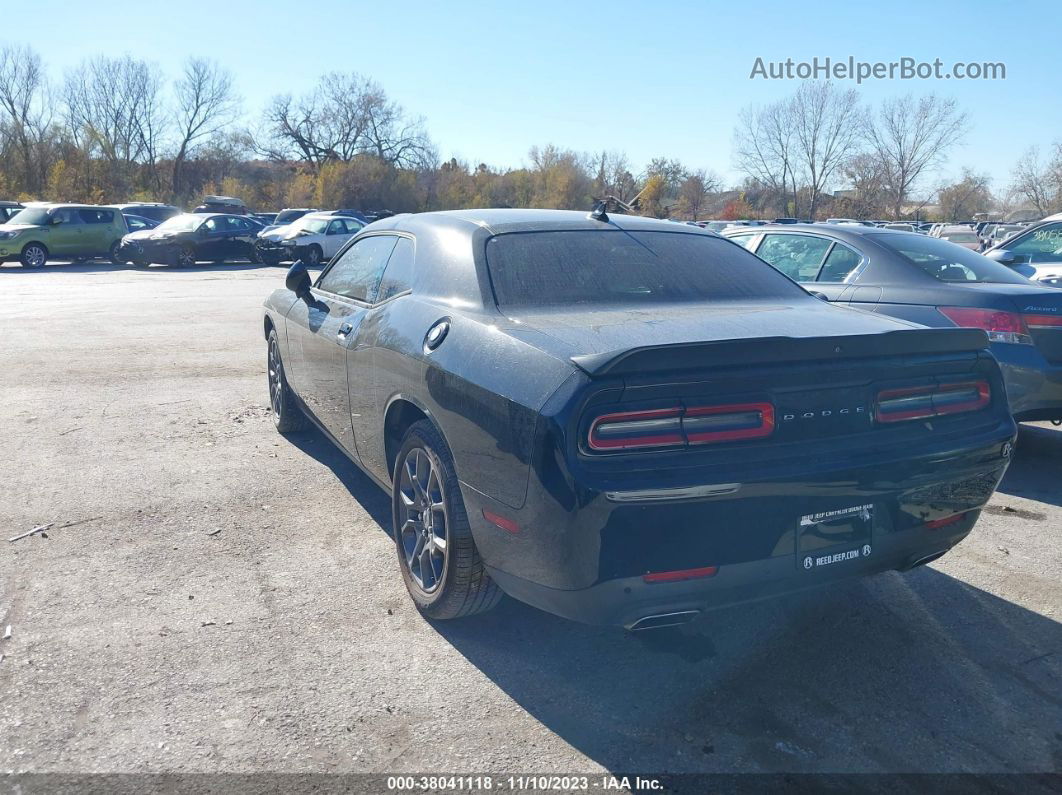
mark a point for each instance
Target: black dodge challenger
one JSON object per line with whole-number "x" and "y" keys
{"x": 629, "y": 421}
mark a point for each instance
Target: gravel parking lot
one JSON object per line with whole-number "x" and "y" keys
{"x": 212, "y": 596}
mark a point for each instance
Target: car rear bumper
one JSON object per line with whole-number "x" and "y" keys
{"x": 583, "y": 551}
{"x": 633, "y": 603}
{"x": 1034, "y": 385}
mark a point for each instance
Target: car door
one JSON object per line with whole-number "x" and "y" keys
{"x": 334, "y": 238}
{"x": 832, "y": 280}
{"x": 241, "y": 242}
{"x": 66, "y": 232}
{"x": 798, "y": 256}
{"x": 213, "y": 239}
{"x": 322, "y": 329}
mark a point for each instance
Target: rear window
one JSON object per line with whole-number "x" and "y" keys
{"x": 946, "y": 261}
{"x": 589, "y": 267}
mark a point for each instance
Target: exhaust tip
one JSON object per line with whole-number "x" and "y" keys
{"x": 924, "y": 560}
{"x": 660, "y": 620}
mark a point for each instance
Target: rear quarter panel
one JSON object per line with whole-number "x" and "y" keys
{"x": 482, "y": 387}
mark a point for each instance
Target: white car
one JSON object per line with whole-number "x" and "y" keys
{"x": 314, "y": 238}
{"x": 1035, "y": 253}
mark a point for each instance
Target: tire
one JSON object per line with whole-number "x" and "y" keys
{"x": 34, "y": 255}
{"x": 112, "y": 253}
{"x": 314, "y": 255}
{"x": 447, "y": 582}
{"x": 184, "y": 257}
{"x": 269, "y": 259}
{"x": 288, "y": 416}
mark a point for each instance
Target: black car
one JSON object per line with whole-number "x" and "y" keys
{"x": 222, "y": 204}
{"x": 628, "y": 421}
{"x": 189, "y": 238}
{"x": 932, "y": 282}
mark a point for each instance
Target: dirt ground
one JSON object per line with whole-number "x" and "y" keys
{"x": 214, "y": 597}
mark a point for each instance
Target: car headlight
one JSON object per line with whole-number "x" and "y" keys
{"x": 7, "y": 235}
{"x": 288, "y": 241}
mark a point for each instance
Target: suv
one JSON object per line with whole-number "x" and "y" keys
{"x": 74, "y": 231}
{"x": 229, "y": 205}
{"x": 156, "y": 211}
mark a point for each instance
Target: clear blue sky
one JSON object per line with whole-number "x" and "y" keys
{"x": 493, "y": 79}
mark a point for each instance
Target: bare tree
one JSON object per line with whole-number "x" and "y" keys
{"x": 25, "y": 114}
{"x": 693, "y": 193}
{"x": 764, "y": 146}
{"x": 614, "y": 177}
{"x": 114, "y": 111}
{"x": 962, "y": 200}
{"x": 206, "y": 104}
{"x": 909, "y": 137}
{"x": 826, "y": 125}
{"x": 1039, "y": 184}
{"x": 344, "y": 116}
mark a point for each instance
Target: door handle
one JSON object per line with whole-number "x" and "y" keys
{"x": 344, "y": 330}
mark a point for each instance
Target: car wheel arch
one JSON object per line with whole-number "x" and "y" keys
{"x": 401, "y": 413}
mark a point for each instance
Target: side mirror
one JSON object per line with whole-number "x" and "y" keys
{"x": 55, "y": 220}
{"x": 1005, "y": 256}
{"x": 298, "y": 279}
{"x": 820, "y": 296}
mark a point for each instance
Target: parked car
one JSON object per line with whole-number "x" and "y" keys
{"x": 156, "y": 211}
{"x": 62, "y": 231}
{"x": 135, "y": 223}
{"x": 266, "y": 219}
{"x": 628, "y": 421}
{"x": 8, "y": 210}
{"x": 314, "y": 238}
{"x": 1035, "y": 252}
{"x": 229, "y": 205}
{"x": 290, "y": 215}
{"x": 962, "y": 236}
{"x": 189, "y": 238}
{"x": 935, "y": 283}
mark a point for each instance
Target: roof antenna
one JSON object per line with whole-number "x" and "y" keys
{"x": 598, "y": 213}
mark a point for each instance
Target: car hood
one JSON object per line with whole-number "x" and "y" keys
{"x": 18, "y": 227}
{"x": 153, "y": 235}
{"x": 568, "y": 333}
{"x": 275, "y": 232}
{"x": 1041, "y": 271}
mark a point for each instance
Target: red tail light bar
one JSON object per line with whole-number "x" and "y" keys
{"x": 931, "y": 400}
{"x": 1001, "y": 326}
{"x": 680, "y": 426}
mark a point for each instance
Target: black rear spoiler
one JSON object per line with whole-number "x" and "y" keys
{"x": 764, "y": 350}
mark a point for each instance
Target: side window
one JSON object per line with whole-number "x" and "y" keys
{"x": 212, "y": 224}
{"x": 337, "y": 227}
{"x": 356, "y": 274}
{"x": 797, "y": 256}
{"x": 743, "y": 240}
{"x": 839, "y": 264}
{"x": 398, "y": 276}
{"x": 1040, "y": 245}
{"x": 66, "y": 215}
{"x": 353, "y": 226}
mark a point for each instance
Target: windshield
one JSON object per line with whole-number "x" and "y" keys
{"x": 617, "y": 267}
{"x": 314, "y": 226}
{"x": 181, "y": 223}
{"x": 946, "y": 261}
{"x": 960, "y": 237}
{"x": 31, "y": 215}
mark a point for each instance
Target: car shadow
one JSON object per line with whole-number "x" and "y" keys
{"x": 371, "y": 497}
{"x": 1035, "y": 473}
{"x": 918, "y": 672}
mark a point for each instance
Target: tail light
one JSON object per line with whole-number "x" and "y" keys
{"x": 1001, "y": 326}
{"x": 681, "y": 426}
{"x": 931, "y": 400}
{"x": 1044, "y": 321}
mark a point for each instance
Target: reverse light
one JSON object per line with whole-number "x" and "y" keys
{"x": 1001, "y": 326}
{"x": 680, "y": 426}
{"x": 679, "y": 576}
{"x": 931, "y": 400}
